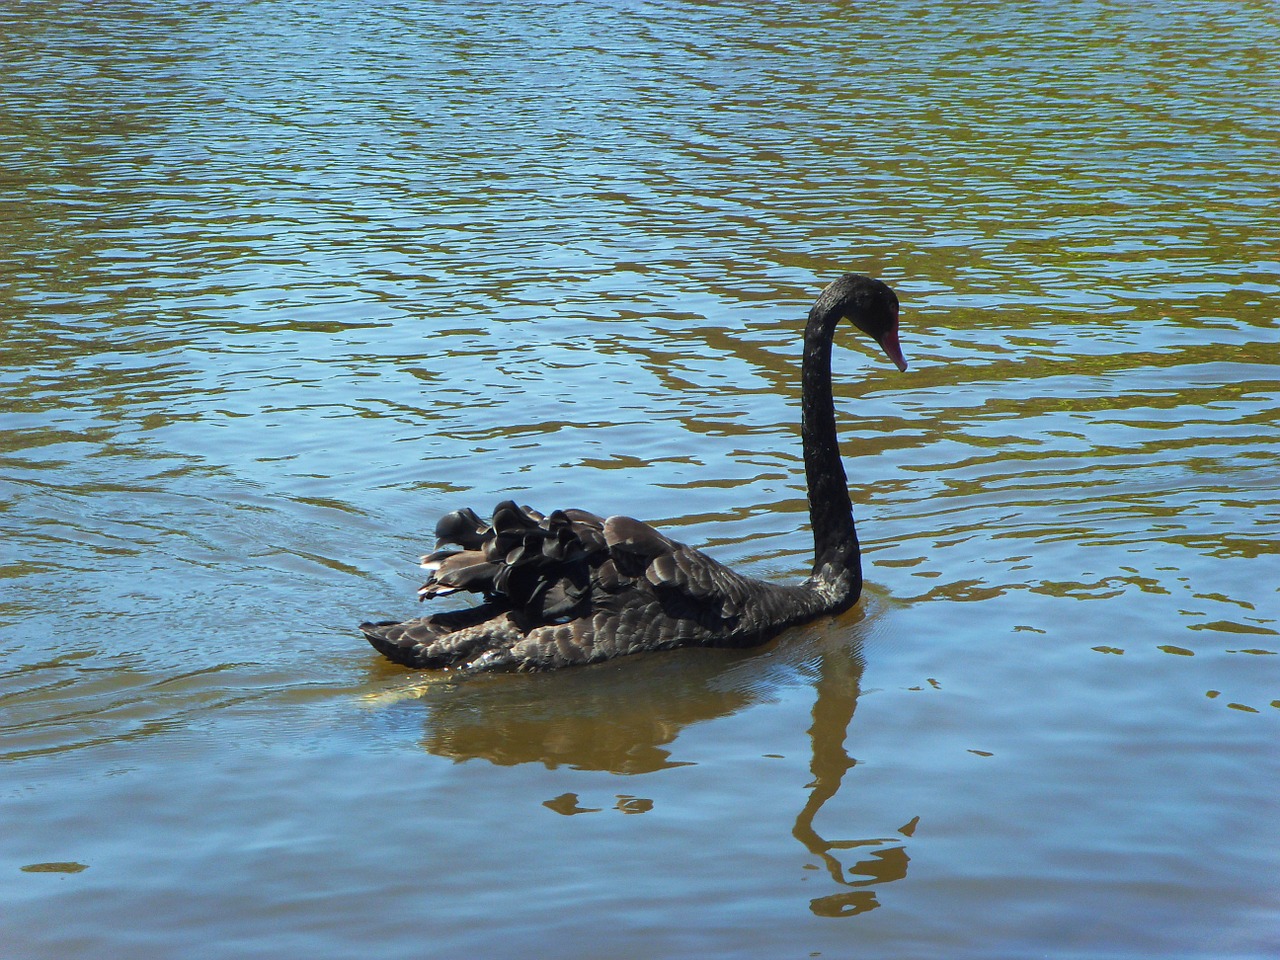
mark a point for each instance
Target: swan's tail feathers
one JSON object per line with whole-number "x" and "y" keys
{"x": 474, "y": 639}
{"x": 393, "y": 641}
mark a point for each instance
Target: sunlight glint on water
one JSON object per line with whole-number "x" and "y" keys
{"x": 281, "y": 283}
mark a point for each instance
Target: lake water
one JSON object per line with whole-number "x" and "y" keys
{"x": 281, "y": 283}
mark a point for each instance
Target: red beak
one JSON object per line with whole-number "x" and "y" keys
{"x": 892, "y": 349}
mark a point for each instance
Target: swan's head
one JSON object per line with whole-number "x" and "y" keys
{"x": 870, "y": 305}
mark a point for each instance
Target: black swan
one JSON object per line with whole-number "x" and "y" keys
{"x": 571, "y": 588}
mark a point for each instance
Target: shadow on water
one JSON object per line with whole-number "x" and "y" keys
{"x": 624, "y": 717}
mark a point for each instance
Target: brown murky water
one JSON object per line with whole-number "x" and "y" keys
{"x": 280, "y": 283}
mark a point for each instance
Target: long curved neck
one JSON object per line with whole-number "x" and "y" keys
{"x": 837, "y": 563}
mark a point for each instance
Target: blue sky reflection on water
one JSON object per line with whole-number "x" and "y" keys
{"x": 280, "y": 284}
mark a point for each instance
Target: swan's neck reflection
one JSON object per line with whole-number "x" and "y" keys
{"x": 624, "y": 719}
{"x": 837, "y": 688}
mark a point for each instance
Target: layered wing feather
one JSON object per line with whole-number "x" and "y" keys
{"x": 571, "y": 587}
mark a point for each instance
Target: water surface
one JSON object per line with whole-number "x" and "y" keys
{"x": 281, "y": 283}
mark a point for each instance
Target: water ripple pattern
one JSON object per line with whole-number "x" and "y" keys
{"x": 282, "y": 282}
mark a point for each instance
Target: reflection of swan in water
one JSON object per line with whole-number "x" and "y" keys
{"x": 837, "y": 687}
{"x": 624, "y": 721}
{"x": 603, "y": 718}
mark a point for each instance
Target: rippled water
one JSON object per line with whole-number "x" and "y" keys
{"x": 280, "y": 283}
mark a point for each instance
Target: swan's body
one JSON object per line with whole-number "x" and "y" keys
{"x": 572, "y": 588}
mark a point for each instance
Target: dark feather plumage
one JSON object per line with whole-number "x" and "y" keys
{"x": 570, "y": 587}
